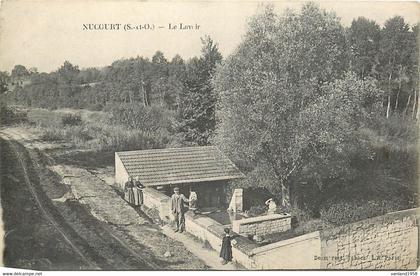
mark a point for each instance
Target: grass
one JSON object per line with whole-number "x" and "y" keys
{"x": 93, "y": 130}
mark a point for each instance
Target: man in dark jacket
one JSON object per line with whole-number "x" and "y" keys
{"x": 178, "y": 208}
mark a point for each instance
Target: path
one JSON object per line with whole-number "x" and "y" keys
{"x": 45, "y": 212}
{"x": 87, "y": 219}
{"x": 209, "y": 256}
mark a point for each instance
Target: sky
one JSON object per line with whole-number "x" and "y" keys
{"x": 45, "y": 33}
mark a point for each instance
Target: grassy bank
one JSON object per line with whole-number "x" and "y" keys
{"x": 94, "y": 130}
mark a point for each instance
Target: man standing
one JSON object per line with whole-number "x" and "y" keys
{"x": 178, "y": 202}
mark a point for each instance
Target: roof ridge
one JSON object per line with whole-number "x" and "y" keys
{"x": 167, "y": 149}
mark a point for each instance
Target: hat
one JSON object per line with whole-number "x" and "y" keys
{"x": 176, "y": 189}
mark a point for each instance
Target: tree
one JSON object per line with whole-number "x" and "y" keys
{"x": 68, "y": 73}
{"x": 4, "y": 80}
{"x": 396, "y": 47}
{"x": 364, "y": 36}
{"x": 196, "y": 109}
{"x": 19, "y": 71}
{"x": 159, "y": 58}
{"x": 33, "y": 70}
{"x": 270, "y": 88}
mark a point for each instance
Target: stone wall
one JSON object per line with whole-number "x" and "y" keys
{"x": 206, "y": 229}
{"x": 153, "y": 199}
{"x": 294, "y": 253}
{"x": 262, "y": 225}
{"x": 385, "y": 242}
{"x": 289, "y": 254}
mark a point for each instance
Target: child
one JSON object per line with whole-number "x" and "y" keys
{"x": 193, "y": 201}
{"x": 272, "y": 207}
{"x": 226, "y": 251}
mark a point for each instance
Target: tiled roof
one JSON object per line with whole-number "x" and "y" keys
{"x": 178, "y": 165}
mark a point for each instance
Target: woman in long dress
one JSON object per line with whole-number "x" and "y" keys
{"x": 138, "y": 193}
{"x": 128, "y": 191}
{"x": 226, "y": 250}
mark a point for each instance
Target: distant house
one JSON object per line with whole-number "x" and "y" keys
{"x": 203, "y": 169}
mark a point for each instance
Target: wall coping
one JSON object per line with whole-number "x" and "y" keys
{"x": 388, "y": 217}
{"x": 261, "y": 218}
{"x": 156, "y": 194}
{"x": 312, "y": 235}
{"x": 413, "y": 211}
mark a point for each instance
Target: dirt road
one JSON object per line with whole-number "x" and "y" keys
{"x": 47, "y": 234}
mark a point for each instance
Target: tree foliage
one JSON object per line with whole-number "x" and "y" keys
{"x": 196, "y": 111}
{"x": 364, "y": 39}
{"x": 288, "y": 113}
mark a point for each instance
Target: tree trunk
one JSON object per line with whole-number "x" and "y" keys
{"x": 145, "y": 101}
{"x": 285, "y": 196}
{"x": 406, "y": 106}
{"x": 418, "y": 109}
{"x": 389, "y": 90}
{"x": 129, "y": 97}
{"x": 398, "y": 95}
{"x": 388, "y": 106}
{"x": 414, "y": 104}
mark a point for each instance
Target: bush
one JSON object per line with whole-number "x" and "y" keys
{"x": 44, "y": 118}
{"x": 308, "y": 226}
{"x": 301, "y": 215}
{"x": 71, "y": 120}
{"x": 257, "y": 210}
{"x": 340, "y": 213}
{"x": 51, "y": 134}
{"x": 136, "y": 116}
{"x": 10, "y": 115}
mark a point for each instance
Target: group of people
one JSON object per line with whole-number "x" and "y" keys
{"x": 179, "y": 207}
{"x": 133, "y": 193}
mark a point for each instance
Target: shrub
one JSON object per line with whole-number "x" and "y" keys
{"x": 10, "y": 115}
{"x": 52, "y": 134}
{"x": 71, "y": 120}
{"x": 339, "y": 213}
{"x": 301, "y": 215}
{"x": 136, "y": 116}
{"x": 44, "y": 118}
{"x": 309, "y": 226}
{"x": 257, "y": 210}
